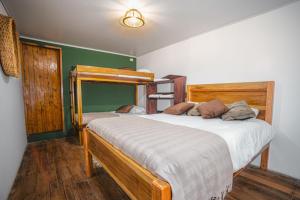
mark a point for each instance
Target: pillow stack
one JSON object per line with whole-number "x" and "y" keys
{"x": 238, "y": 111}
{"x": 214, "y": 109}
{"x": 131, "y": 109}
{"x": 194, "y": 111}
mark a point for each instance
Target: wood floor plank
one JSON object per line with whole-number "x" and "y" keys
{"x": 54, "y": 170}
{"x": 85, "y": 191}
{"x": 70, "y": 191}
{"x": 57, "y": 191}
{"x": 246, "y": 189}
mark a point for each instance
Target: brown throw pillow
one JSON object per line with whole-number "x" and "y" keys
{"x": 238, "y": 111}
{"x": 178, "y": 109}
{"x": 212, "y": 109}
{"x": 124, "y": 109}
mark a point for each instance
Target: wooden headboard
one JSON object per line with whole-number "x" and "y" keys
{"x": 256, "y": 94}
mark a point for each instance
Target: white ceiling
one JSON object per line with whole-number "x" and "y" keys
{"x": 95, "y": 23}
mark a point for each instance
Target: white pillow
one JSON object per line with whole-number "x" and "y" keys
{"x": 138, "y": 110}
{"x": 256, "y": 111}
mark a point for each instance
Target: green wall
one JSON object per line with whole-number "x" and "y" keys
{"x": 96, "y": 97}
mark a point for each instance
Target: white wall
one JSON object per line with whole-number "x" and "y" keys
{"x": 266, "y": 47}
{"x": 12, "y": 129}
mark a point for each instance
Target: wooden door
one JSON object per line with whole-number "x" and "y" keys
{"x": 42, "y": 87}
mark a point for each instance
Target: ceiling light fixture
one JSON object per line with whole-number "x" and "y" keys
{"x": 133, "y": 19}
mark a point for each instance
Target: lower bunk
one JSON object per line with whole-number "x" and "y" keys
{"x": 88, "y": 117}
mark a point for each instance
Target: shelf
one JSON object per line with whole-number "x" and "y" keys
{"x": 163, "y": 82}
{"x": 161, "y": 95}
{"x": 161, "y": 98}
{"x": 176, "y": 96}
{"x": 164, "y": 93}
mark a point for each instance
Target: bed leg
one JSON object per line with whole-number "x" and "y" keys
{"x": 80, "y": 133}
{"x": 87, "y": 155}
{"x": 264, "y": 159}
{"x": 161, "y": 190}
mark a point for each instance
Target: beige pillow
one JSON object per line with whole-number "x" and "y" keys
{"x": 212, "y": 109}
{"x": 194, "y": 111}
{"x": 238, "y": 111}
{"x": 178, "y": 109}
{"x": 124, "y": 109}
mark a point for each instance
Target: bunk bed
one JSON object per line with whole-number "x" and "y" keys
{"x": 83, "y": 73}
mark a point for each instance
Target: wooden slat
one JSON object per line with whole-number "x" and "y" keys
{"x": 106, "y": 70}
{"x": 254, "y": 98}
{"x": 242, "y": 86}
{"x": 112, "y": 79}
{"x": 72, "y": 97}
{"x": 79, "y": 108}
{"x": 271, "y": 184}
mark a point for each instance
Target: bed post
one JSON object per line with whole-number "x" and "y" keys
{"x": 87, "y": 154}
{"x": 79, "y": 108}
{"x": 136, "y": 93}
{"x": 264, "y": 160}
{"x": 161, "y": 190}
{"x": 72, "y": 96}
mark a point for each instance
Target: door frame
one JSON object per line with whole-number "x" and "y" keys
{"x": 61, "y": 80}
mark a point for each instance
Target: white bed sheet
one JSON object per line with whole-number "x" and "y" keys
{"x": 87, "y": 117}
{"x": 244, "y": 138}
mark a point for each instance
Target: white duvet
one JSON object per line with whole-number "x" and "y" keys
{"x": 244, "y": 138}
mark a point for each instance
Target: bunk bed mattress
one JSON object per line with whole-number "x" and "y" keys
{"x": 87, "y": 117}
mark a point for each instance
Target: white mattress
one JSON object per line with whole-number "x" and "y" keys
{"x": 244, "y": 138}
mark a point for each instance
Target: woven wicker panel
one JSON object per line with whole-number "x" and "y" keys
{"x": 9, "y": 47}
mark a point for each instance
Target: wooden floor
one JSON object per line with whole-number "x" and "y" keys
{"x": 54, "y": 170}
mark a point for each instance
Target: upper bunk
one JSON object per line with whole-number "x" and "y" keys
{"x": 110, "y": 75}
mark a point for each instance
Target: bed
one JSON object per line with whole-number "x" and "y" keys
{"x": 141, "y": 183}
{"x": 83, "y": 73}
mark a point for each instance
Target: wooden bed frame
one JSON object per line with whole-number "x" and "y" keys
{"x": 138, "y": 182}
{"x": 83, "y": 73}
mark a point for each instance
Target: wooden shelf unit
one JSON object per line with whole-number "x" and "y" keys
{"x": 179, "y": 91}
